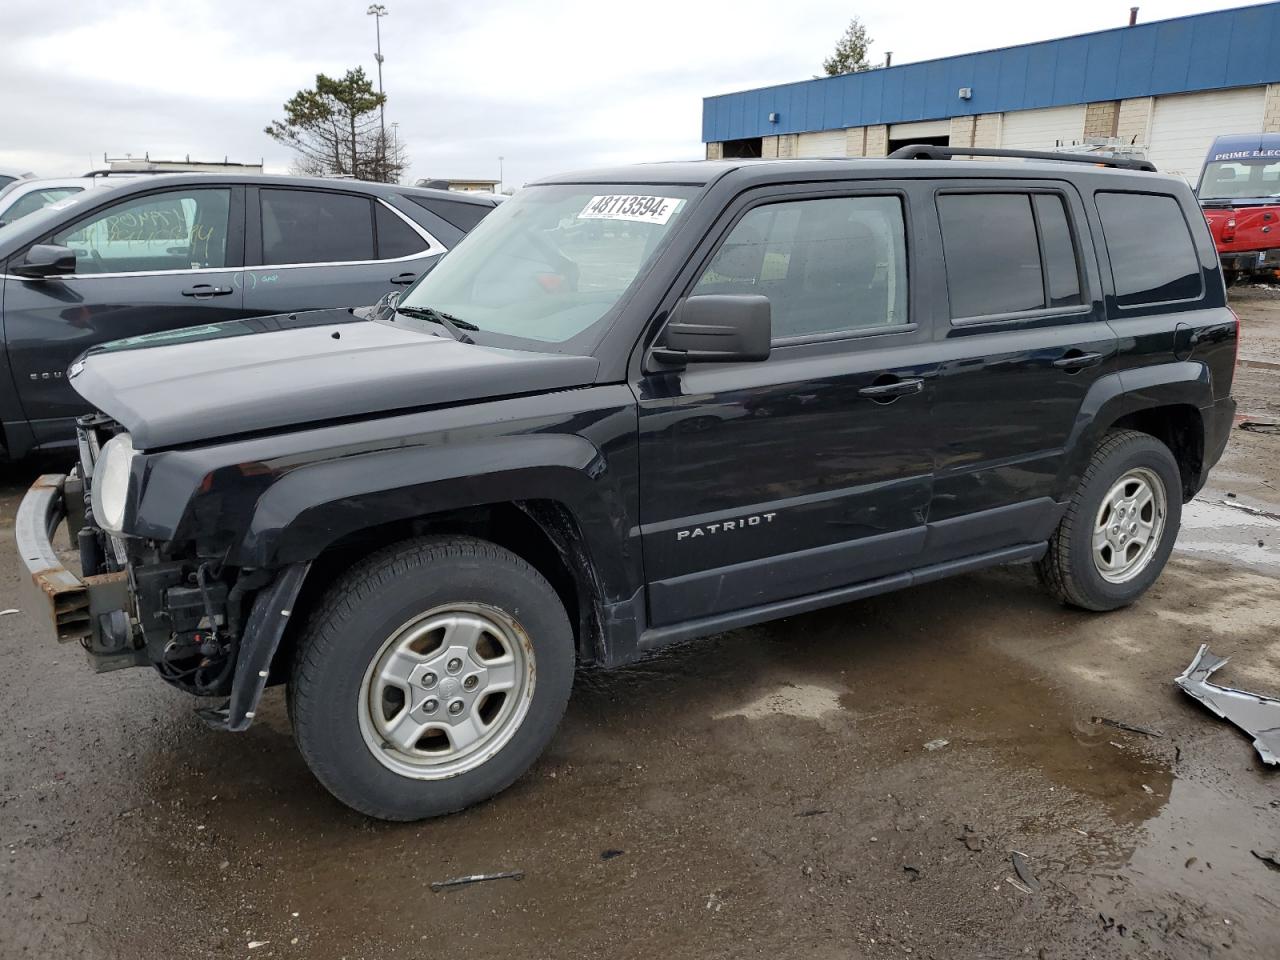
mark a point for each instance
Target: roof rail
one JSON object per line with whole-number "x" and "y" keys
{"x": 924, "y": 151}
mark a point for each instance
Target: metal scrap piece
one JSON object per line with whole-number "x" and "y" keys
{"x": 1256, "y": 715}
{"x": 476, "y": 878}
{"x": 1130, "y": 727}
{"x": 1023, "y": 869}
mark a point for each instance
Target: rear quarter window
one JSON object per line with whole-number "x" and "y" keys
{"x": 1153, "y": 257}
{"x": 462, "y": 215}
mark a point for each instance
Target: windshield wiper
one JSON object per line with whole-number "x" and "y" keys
{"x": 454, "y": 325}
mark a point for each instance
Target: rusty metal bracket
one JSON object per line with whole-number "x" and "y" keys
{"x": 52, "y": 593}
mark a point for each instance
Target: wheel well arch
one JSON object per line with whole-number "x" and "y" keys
{"x": 1180, "y": 427}
{"x": 542, "y": 532}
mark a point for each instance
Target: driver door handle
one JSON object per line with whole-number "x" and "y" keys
{"x": 1075, "y": 360}
{"x": 204, "y": 291}
{"x": 403, "y": 279}
{"x": 887, "y": 391}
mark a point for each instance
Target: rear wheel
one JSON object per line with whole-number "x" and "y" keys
{"x": 432, "y": 676}
{"x": 1120, "y": 526}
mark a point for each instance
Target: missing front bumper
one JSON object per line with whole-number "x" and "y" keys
{"x": 92, "y": 610}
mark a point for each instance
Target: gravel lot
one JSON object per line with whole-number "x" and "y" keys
{"x": 766, "y": 792}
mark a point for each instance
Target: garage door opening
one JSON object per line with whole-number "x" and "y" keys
{"x": 745, "y": 149}
{"x": 944, "y": 141}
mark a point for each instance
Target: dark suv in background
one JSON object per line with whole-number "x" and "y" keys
{"x": 636, "y": 406}
{"x": 183, "y": 250}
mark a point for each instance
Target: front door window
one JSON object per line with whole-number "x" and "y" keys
{"x": 178, "y": 230}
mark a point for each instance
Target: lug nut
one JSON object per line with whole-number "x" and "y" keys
{"x": 429, "y": 706}
{"x": 470, "y": 683}
{"x": 455, "y": 708}
{"x": 428, "y": 680}
{"x": 454, "y": 665}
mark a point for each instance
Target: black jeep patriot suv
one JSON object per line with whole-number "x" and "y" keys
{"x": 636, "y": 406}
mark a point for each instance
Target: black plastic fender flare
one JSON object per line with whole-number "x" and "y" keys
{"x": 266, "y": 625}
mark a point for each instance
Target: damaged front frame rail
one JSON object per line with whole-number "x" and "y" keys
{"x": 73, "y": 604}
{"x": 1256, "y": 715}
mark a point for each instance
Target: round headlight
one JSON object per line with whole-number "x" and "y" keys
{"x": 111, "y": 482}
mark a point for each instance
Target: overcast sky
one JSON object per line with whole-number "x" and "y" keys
{"x": 551, "y": 86}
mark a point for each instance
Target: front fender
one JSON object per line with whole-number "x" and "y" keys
{"x": 316, "y": 505}
{"x": 273, "y": 501}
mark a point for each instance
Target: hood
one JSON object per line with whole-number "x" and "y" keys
{"x": 292, "y": 370}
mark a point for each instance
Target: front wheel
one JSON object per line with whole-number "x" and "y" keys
{"x": 431, "y": 677}
{"x": 1120, "y": 526}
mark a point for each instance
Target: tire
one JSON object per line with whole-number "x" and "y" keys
{"x": 1071, "y": 569}
{"x": 358, "y": 654}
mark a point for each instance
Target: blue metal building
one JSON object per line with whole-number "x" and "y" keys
{"x": 1166, "y": 88}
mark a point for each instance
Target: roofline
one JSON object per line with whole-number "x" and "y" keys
{"x": 1240, "y": 47}
{"x": 128, "y": 182}
{"x": 1011, "y": 46}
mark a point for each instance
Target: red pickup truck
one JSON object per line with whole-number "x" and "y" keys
{"x": 1239, "y": 191}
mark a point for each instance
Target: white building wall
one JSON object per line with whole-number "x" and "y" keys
{"x": 1043, "y": 129}
{"x": 824, "y": 143}
{"x": 1175, "y": 130}
{"x": 1183, "y": 126}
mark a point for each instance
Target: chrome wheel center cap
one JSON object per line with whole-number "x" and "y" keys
{"x": 450, "y": 687}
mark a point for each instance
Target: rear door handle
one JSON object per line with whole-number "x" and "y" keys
{"x": 402, "y": 279}
{"x": 203, "y": 291}
{"x": 1075, "y": 360}
{"x": 889, "y": 391}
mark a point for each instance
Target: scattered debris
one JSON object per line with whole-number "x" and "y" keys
{"x": 1257, "y": 715}
{"x": 255, "y": 944}
{"x": 1260, "y": 426}
{"x": 1023, "y": 869}
{"x": 6, "y": 613}
{"x": 1018, "y": 884}
{"x": 1252, "y": 511}
{"x": 1191, "y": 862}
{"x": 1130, "y": 727}
{"x": 972, "y": 842}
{"x": 912, "y": 871}
{"x": 936, "y": 744}
{"x": 810, "y": 813}
{"x": 1270, "y": 857}
{"x": 610, "y": 854}
{"x": 1147, "y": 789}
{"x": 476, "y": 878}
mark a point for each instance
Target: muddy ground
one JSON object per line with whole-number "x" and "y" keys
{"x": 766, "y": 792}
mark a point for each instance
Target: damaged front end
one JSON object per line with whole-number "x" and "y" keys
{"x": 207, "y": 628}
{"x": 1255, "y": 714}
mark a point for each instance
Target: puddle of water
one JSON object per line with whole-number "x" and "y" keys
{"x": 1231, "y": 532}
{"x": 1193, "y": 876}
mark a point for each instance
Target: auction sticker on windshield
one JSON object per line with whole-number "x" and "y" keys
{"x": 630, "y": 207}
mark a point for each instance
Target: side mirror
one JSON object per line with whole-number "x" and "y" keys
{"x": 46, "y": 260}
{"x": 717, "y": 328}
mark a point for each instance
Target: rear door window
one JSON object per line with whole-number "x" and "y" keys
{"x": 1153, "y": 258}
{"x": 1008, "y": 253}
{"x": 1062, "y": 270}
{"x": 315, "y": 226}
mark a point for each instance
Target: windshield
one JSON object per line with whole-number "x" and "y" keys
{"x": 1240, "y": 179}
{"x": 49, "y": 215}
{"x": 553, "y": 260}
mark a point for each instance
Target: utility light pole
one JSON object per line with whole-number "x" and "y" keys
{"x": 378, "y": 11}
{"x": 500, "y": 174}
